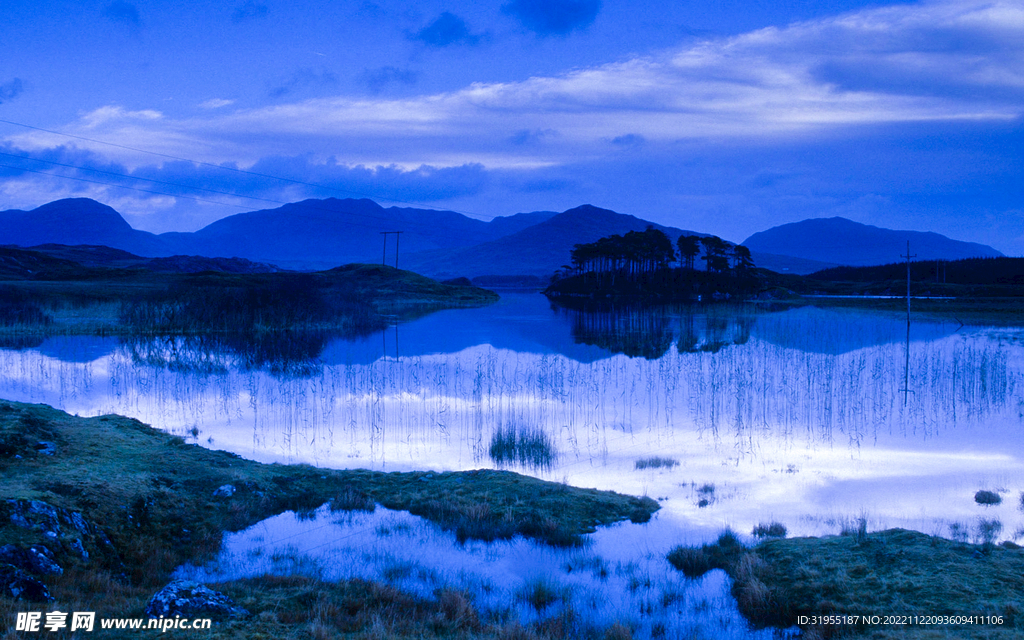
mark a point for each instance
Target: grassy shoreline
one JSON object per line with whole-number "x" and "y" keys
{"x": 789, "y": 582}
{"x": 159, "y": 502}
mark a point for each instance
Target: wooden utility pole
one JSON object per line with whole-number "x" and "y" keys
{"x": 906, "y": 363}
{"x": 398, "y": 235}
{"x": 908, "y": 257}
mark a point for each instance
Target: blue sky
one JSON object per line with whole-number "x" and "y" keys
{"x": 727, "y": 117}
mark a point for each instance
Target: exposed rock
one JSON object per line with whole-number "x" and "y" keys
{"x": 46, "y": 448}
{"x": 36, "y": 559}
{"x": 190, "y": 599}
{"x": 224, "y": 491}
{"x": 66, "y": 531}
{"x": 18, "y": 585}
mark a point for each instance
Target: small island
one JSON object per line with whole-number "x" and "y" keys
{"x": 644, "y": 265}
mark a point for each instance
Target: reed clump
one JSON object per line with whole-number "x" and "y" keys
{"x": 523, "y": 445}
{"x": 987, "y": 498}
{"x": 656, "y": 462}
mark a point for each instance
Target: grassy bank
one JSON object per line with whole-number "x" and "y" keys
{"x": 886, "y": 573}
{"x": 150, "y": 502}
{"x": 350, "y": 298}
{"x": 279, "y": 320}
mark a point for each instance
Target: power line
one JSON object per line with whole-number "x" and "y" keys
{"x": 234, "y": 169}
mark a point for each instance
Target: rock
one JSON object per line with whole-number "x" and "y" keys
{"x": 62, "y": 529}
{"x": 46, "y": 448}
{"x": 36, "y": 559}
{"x": 224, "y": 491}
{"x": 18, "y": 585}
{"x": 192, "y": 600}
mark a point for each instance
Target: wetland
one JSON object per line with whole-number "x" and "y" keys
{"x": 425, "y": 436}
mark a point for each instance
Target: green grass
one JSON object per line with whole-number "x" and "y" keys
{"x": 152, "y": 494}
{"x": 884, "y": 573}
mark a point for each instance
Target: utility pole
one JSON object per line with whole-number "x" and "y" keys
{"x": 398, "y": 235}
{"x": 906, "y": 362}
{"x": 908, "y": 257}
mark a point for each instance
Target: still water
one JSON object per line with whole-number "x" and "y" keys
{"x": 809, "y": 417}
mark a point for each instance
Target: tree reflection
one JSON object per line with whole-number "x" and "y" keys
{"x": 648, "y": 331}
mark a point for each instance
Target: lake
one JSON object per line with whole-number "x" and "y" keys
{"x": 729, "y": 416}
{"x": 810, "y": 417}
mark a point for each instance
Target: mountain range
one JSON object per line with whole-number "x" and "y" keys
{"x": 837, "y": 241}
{"x": 321, "y": 234}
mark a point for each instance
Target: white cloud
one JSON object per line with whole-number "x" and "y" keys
{"x": 216, "y": 103}
{"x": 934, "y": 61}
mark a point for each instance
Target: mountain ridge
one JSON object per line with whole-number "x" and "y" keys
{"x": 840, "y": 241}
{"x": 321, "y": 234}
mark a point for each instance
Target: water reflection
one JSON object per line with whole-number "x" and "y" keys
{"x": 621, "y": 576}
{"x": 798, "y": 416}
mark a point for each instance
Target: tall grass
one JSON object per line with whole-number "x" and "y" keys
{"x": 525, "y": 446}
{"x": 656, "y": 463}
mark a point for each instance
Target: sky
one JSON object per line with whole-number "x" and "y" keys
{"x": 725, "y": 117}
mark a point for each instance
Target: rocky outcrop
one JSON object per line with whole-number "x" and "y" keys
{"x": 35, "y": 559}
{"x": 18, "y": 585}
{"x": 68, "y": 530}
{"x": 192, "y": 600}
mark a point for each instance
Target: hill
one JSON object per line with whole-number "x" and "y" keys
{"x": 538, "y": 250}
{"x": 77, "y": 221}
{"x": 320, "y": 234}
{"x": 838, "y": 241}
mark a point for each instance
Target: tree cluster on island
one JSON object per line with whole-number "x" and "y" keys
{"x": 646, "y": 263}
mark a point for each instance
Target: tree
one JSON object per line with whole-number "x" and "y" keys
{"x": 715, "y": 254}
{"x": 742, "y": 260}
{"x": 689, "y": 247}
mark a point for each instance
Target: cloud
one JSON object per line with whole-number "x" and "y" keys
{"x": 251, "y": 10}
{"x": 628, "y": 140}
{"x": 125, "y": 13}
{"x": 446, "y": 30}
{"x": 531, "y": 136}
{"x": 765, "y": 87}
{"x": 379, "y": 78}
{"x": 302, "y": 79}
{"x": 216, "y": 103}
{"x": 553, "y": 17}
{"x": 11, "y": 90}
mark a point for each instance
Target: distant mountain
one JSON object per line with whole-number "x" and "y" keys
{"x": 536, "y": 250}
{"x": 95, "y": 256}
{"x": 838, "y": 241}
{"x": 60, "y": 262}
{"x": 77, "y": 221}
{"x": 319, "y": 234}
{"x": 323, "y": 234}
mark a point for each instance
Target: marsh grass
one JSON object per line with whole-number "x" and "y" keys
{"x": 656, "y": 463}
{"x": 987, "y": 498}
{"x": 705, "y": 494}
{"x": 773, "y": 530}
{"x": 526, "y": 446}
{"x": 541, "y": 593}
{"x": 781, "y": 579}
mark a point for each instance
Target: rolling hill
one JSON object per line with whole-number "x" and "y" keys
{"x": 837, "y": 241}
